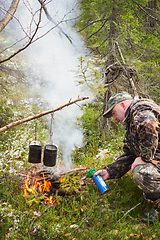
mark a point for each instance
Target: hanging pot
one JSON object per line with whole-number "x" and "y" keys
{"x": 50, "y": 155}
{"x": 35, "y": 152}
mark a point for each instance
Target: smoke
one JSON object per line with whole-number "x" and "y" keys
{"x": 53, "y": 62}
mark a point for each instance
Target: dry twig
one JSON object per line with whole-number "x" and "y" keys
{"x": 74, "y": 170}
{"x": 129, "y": 211}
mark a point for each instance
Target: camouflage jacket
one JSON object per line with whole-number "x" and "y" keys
{"x": 142, "y": 138}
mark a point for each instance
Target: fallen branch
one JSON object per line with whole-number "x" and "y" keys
{"x": 60, "y": 174}
{"x": 129, "y": 211}
{"x": 74, "y": 170}
{"x": 40, "y": 114}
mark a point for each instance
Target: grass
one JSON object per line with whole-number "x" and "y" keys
{"x": 84, "y": 214}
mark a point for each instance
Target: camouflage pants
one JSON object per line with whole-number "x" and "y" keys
{"x": 147, "y": 178}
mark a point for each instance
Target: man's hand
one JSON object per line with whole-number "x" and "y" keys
{"x": 104, "y": 174}
{"x": 137, "y": 161}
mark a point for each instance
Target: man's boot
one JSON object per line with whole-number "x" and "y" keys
{"x": 154, "y": 213}
{"x": 151, "y": 216}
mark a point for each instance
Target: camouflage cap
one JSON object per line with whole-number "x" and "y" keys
{"x": 115, "y": 99}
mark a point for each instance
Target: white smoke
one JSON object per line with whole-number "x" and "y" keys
{"x": 54, "y": 60}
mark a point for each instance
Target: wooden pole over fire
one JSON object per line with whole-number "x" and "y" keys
{"x": 5, "y": 128}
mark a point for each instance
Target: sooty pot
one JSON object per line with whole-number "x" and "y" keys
{"x": 50, "y": 155}
{"x": 34, "y": 153}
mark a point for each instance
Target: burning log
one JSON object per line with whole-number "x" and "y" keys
{"x": 45, "y": 185}
{"x": 48, "y": 184}
{"x": 5, "y": 128}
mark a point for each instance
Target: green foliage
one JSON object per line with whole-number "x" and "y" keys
{"x": 135, "y": 27}
{"x": 82, "y": 214}
{"x": 99, "y": 149}
{"x": 6, "y": 113}
{"x": 89, "y": 76}
{"x": 71, "y": 183}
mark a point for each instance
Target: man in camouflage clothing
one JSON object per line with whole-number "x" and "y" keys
{"x": 141, "y": 147}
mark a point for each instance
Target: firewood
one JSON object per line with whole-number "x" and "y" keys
{"x": 74, "y": 170}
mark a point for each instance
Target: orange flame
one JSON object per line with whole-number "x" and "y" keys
{"x": 49, "y": 200}
{"x": 36, "y": 184}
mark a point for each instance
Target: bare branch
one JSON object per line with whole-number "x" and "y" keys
{"x": 97, "y": 30}
{"x": 120, "y": 53}
{"x": 129, "y": 211}
{"x": 142, "y": 8}
{"x": 32, "y": 38}
{"x": 91, "y": 23}
{"x": 40, "y": 114}
{"x": 74, "y": 170}
{"x": 50, "y": 19}
{"x": 30, "y": 41}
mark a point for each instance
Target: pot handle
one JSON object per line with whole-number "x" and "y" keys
{"x": 36, "y": 141}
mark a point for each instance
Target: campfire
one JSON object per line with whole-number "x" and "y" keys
{"x": 48, "y": 184}
{"x": 43, "y": 183}
{"x": 46, "y": 179}
{"x": 41, "y": 178}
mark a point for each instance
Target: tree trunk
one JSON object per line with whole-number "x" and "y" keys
{"x": 110, "y": 60}
{"x": 9, "y": 15}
